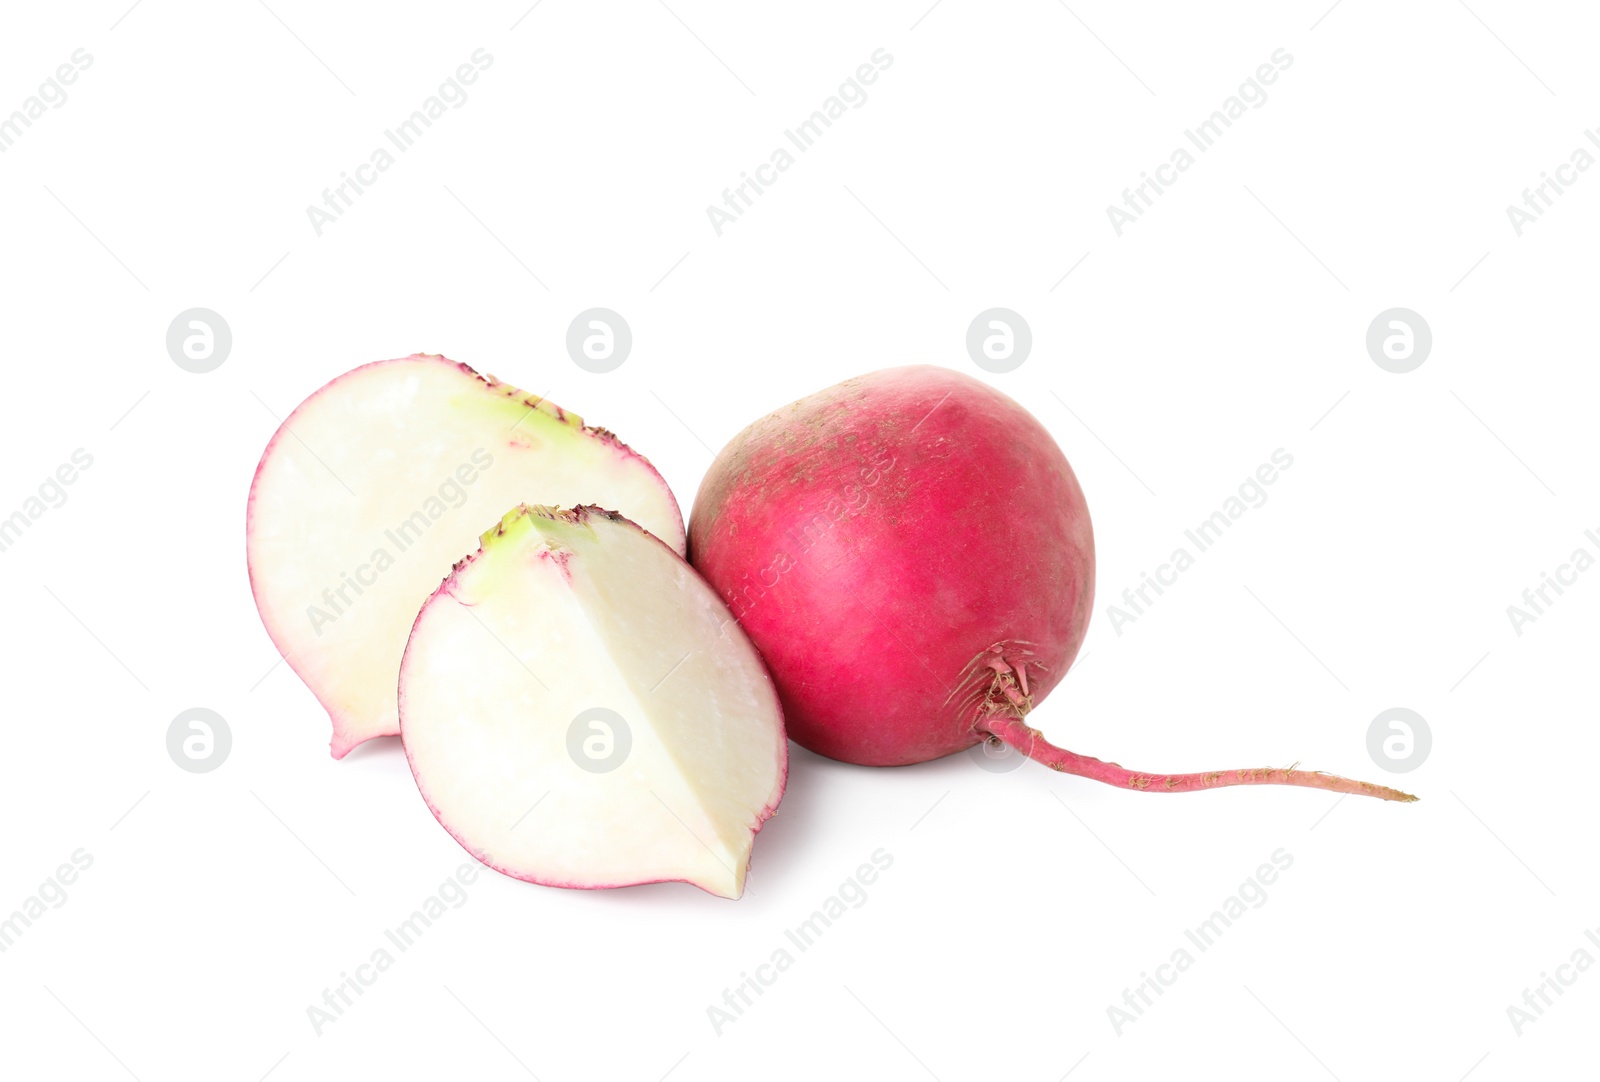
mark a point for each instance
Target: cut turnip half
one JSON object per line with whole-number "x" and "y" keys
{"x": 378, "y": 482}
{"x": 580, "y": 709}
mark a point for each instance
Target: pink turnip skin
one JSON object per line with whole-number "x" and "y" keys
{"x": 912, "y": 555}
{"x": 883, "y": 491}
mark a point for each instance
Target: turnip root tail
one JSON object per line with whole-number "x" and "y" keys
{"x": 1026, "y": 739}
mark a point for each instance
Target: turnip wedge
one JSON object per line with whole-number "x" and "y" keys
{"x": 580, "y": 709}
{"x": 377, "y": 483}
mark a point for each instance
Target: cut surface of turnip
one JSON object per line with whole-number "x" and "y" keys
{"x": 580, "y": 709}
{"x": 378, "y": 482}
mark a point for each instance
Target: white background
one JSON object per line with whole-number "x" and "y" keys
{"x": 1227, "y": 322}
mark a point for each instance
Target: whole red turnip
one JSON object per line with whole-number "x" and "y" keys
{"x": 912, "y": 555}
